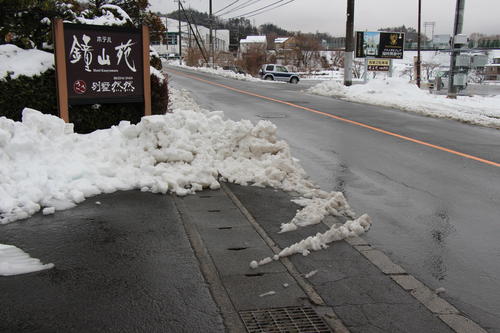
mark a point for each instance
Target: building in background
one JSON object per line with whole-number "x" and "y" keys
{"x": 492, "y": 71}
{"x": 170, "y": 44}
{"x": 251, "y": 42}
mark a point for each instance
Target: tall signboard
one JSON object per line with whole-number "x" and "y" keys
{"x": 101, "y": 64}
{"x": 377, "y": 44}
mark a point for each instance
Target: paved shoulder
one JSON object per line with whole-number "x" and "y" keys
{"x": 362, "y": 296}
{"x": 125, "y": 265}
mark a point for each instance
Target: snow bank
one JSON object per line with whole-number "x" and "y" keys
{"x": 399, "y": 93}
{"x": 46, "y": 167}
{"x": 15, "y": 61}
{"x": 15, "y": 261}
{"x": 220, "y": 72}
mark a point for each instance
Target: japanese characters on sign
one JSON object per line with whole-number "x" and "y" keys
{"x": 104, "y": 64}
{"x": 378, "y": 65}
{"x": 389, "y": 45}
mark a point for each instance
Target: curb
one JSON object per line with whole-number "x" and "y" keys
{"x": 450, "y": 315}
{"x": 438, "y": 306}
{"x": 327, "y": 312}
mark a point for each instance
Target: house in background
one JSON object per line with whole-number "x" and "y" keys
{"x": 492, "y": 71}
{"x": 279, "y": 43}
{"x": 250, "y": 42}
{"x": 170, "y": 44}
{"x": 282, "y": 44}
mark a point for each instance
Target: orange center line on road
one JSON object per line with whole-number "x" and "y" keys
{"x": 376, "y": 129}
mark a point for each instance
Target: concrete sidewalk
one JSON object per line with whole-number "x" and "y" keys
{"x": 140, "y": 262}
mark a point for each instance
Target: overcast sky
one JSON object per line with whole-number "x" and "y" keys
{"x": 329, "y": 15}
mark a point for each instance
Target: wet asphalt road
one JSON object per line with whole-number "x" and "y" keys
{"x": 435, "y": 213}
{"x": 118, "y": 268}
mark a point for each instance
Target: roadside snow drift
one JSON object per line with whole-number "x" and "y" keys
{"x": 399, "y": 93}
{"x": 15, "y": 261}
{"x": 45, "y": 166}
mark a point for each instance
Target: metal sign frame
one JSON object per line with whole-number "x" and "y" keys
{"x": 380, "y": 44}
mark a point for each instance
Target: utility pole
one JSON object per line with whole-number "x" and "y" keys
{"x": 349, "y": 43}
{"x": 180, "y": 32}
{"x": 211, "y": 34}
{"x": 457, "y": 29}
{"x": 419, "y": 37}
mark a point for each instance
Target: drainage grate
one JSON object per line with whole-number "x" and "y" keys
{"x": 284, "y": 320}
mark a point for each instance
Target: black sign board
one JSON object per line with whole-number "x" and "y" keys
{"x": 376, "y": 44}
{"x": 103, "y": 64}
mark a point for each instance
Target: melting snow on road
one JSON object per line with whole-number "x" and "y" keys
{"x": 15, "y": 261}
{"x": 46, "y": 167}
{"x": 399, "y": 93}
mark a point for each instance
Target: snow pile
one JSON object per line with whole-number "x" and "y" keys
{"x": 15, "y": 261}
{"x": 321, "y": 240}
{"x": 15, "y": 61}
{"x": 322, "y": 75}
{"x": 317, "y": 208}
{"x": 401, "y": 94}
{"x": 110, "y": 15}
{"x": 219, "y": 71}
{"x": 43, "y": 167}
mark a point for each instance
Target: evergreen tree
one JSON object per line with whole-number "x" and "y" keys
{"x": 26, "y": 23}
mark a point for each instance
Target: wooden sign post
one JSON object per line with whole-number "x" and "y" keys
{"x": 101, "y": 64}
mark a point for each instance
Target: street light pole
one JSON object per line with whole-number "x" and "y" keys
{"x": 419, "y": 37}
{"x": 211, "y": 37}
{"x": 349, "y": 43}
{"x": 457, "y": 29}
{"x": 180, "y": 32}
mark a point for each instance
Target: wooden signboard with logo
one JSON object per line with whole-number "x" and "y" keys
{"x": 101, "y": 64}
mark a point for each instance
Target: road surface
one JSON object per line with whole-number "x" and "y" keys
{"x": 432, "y": 186}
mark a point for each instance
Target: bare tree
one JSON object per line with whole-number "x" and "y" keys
{"x": 429, "y": 68}
{"x": 252, "y": 59}
{"x": 306, "y": 50}
{"x": 194, "y": 57}
{"x": 338, "y": 59}
{"x": 409, "y": 71}
{"x": 358, "y": 69}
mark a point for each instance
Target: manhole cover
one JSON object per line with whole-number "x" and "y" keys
{"x": 271, "y": 115}
{"x": 281, "y": 320}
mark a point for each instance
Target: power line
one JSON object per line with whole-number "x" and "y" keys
{"x": 241, "y": 6}
{"x": 232, "y": 3}
{"x": 271, "y": 8}
{"x": 261, "y": 10}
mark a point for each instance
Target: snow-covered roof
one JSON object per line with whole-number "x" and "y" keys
{"x": 254, "y": 39}
{"x": 281, "y": 39}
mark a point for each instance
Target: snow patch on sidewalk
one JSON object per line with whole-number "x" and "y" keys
{"x": 15, "y": 261}
{"x": 399, "y": 93}
{"x": 321, "y": 240}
